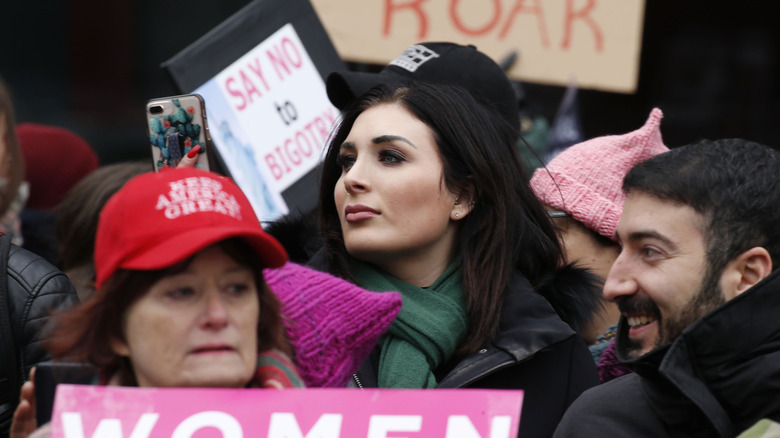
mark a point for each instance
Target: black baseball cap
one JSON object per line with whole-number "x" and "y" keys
{"x": 437, "y": 62}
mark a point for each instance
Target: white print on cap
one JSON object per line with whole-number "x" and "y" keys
{"x": 197, "y": 194}
{"x": 414, "y": 57}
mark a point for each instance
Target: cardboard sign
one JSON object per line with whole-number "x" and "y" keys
{"x": 261, "y": 73}
{"x": 598, "y": 42}
{"x": 116, "y": 412}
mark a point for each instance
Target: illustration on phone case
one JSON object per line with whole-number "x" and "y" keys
{"x": 175, "y": 134}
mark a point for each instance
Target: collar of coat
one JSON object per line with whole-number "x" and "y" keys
{"x": 728, "y": 361}
{"x": 528, "y": 324}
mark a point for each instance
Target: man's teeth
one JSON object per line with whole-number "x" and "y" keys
{"x": 637, "y": 321}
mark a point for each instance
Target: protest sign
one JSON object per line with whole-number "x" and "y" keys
{"x": 82, "y": 411}
{"x": 261, "y": 74}
{"x": 270, "y": 118}
{"x": 598, "y": 42}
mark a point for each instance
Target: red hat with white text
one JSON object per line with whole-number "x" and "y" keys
{"x": 161, "y": 218}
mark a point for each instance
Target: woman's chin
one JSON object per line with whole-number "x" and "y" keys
{"x": 212, "y": 381}
{"x": 215, "y": 377}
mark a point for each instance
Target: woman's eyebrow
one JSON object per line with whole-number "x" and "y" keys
{"x": 347, "y": 145}
{"x": 389, "y": 138}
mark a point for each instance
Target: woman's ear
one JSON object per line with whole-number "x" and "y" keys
{"x": 464, "y": 204}
{"x": 744, "y": 271}
{"x": 119, "y": 347}
{"x": 465, "y": 199}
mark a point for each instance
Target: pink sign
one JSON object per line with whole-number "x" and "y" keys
{"x": 117, "y": 412}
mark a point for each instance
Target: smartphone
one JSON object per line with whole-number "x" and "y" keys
{"x": 177, "y": 124}
{"x": 49, "y": 374}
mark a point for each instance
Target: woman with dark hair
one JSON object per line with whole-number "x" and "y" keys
{"x": 423, "y": 192}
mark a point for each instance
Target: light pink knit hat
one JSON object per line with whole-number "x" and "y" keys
{"x": 587, "y": 177}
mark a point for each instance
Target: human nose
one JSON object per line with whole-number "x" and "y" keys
{"x": 356, "y": 178}
{"x": 215, "y": 315}
{"x": 620, "y": 281}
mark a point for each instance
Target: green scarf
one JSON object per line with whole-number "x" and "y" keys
{"x": 429, "y": 328}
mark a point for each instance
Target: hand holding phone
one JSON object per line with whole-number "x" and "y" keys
{"x": 177, "y": 124}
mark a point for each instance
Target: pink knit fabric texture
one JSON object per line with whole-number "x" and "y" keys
{"x": 332, "y": 324}
{"x": 587, "y": 177}
{"x": 609, "y": 367}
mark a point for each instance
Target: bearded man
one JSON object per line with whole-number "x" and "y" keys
{"x": 699, "y": 298}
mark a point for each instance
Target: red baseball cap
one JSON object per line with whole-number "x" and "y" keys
{"x": 161, "y": 218}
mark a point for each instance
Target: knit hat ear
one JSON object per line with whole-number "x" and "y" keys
{"x": 332, "y": 324}
{"x": 586, "y": 179}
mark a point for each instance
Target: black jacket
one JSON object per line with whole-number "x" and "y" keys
{"x": 35, "y": 289}
{"x": 534, "y": 351}
{"x": 720, "y": 377}
{"x": 536, "y": 348}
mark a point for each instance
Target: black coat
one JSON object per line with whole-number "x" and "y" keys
{"x": 534, "y": 351}
{"x": 35, "y": 289}
{"x": 536, "y": 348}
{"x": 717, "y": 379}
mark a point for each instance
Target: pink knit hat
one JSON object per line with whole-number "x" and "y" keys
{"x": 332, "y": 324}
{"x": 587, "y": 177}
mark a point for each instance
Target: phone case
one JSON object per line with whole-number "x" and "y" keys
{"x": 176, "y": 125}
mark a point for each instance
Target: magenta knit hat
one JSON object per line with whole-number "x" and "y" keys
{"x": 332, "y": 324}
{"x": 587, "y": 177}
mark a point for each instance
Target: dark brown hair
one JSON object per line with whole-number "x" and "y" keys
{"x": 12, "y": 166}
{"x": 507, "y": 229}
{"x": 75, "y": 225}
{"x": 85, "y": 332}
{"x": 731, "y": 182}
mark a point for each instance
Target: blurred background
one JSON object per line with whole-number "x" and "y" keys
{"x": 712, "y": 66}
